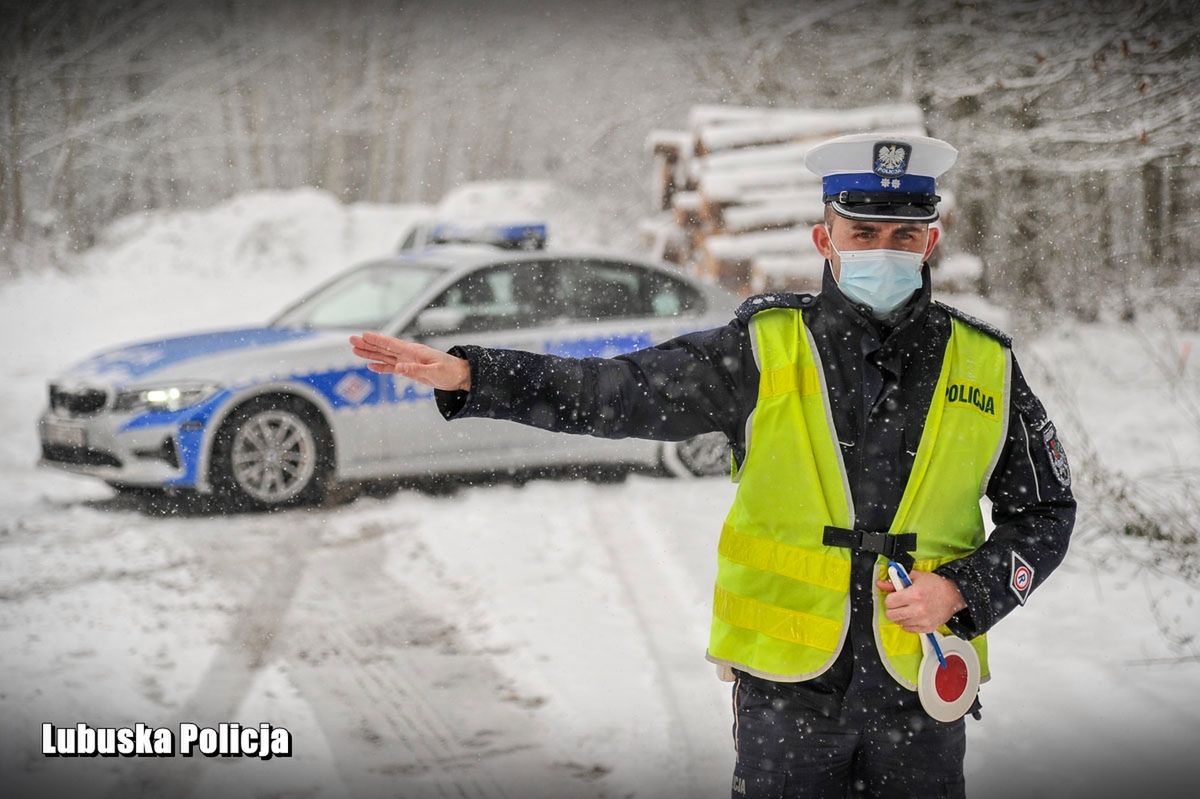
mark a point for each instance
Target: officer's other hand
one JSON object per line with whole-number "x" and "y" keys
{"x": 421, "y": 363}
{"x": 923, "y": 606}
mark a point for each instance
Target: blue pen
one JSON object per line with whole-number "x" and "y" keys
{"x": 903, "y": 575}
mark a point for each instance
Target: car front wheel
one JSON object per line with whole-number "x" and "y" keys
{"x": 270, "y": 453}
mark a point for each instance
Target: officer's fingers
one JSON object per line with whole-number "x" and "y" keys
{"x": 396, "y": 346}
{"x": 401, "y": 351}
{"x": 910, "y": 620}
{"x": 360, "y": 343}
{"x": 381, "y": 365}
{"x": 885, "y": 586}
{"x": 382, "y": 368}
{"x": 374, "y": 355}
{"x": 374, "y": 339}
{"x": 899, "y": 599}
{"x": 392, "y": 348}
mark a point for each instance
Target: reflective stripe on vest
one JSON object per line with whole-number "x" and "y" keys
{"x": 781, "y": 605}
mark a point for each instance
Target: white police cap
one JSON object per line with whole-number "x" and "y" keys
{"x": 882, "y": 177}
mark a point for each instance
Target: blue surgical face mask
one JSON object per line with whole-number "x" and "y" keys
{"x": 879, "y": 279}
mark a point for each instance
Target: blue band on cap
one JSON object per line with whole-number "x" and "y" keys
{"x": 869, "y": 181}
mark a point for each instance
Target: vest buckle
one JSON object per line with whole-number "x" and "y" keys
{"x": 873, "y": 541}
{"x": 892, "y": 546}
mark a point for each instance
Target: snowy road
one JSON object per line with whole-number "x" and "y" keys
{"x": 504, "y": 641}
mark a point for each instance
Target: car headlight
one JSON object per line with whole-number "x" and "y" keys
{"x": 173, "y": 397}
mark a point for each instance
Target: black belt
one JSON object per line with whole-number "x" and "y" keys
{"x": 895, "y": 547}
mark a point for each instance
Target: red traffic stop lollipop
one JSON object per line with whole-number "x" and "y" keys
{"x": 946, "y": 690}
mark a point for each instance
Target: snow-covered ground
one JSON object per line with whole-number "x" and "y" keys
{"x": 544, "y": 640}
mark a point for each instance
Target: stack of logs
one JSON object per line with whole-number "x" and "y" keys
{"x": 734, "y": 202}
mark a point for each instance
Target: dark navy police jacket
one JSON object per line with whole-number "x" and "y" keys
{"x": 880, "y": 379}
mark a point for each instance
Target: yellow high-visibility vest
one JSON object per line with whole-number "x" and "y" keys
{"x": 781, "y": 605}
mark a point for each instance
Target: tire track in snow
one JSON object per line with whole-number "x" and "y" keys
{"x": 658, "y": 598}
{"x": 406, "y": 710}
{"x": 267, "y": 588}
{"x": 385, "y": 696}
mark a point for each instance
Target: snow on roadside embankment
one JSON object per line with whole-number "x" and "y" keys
{"x": 165, "y": 271}
{"x": 555, "y": 631}
{"x": 1097, "y": 687}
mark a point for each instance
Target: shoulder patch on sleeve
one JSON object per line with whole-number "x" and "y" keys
{"x": 1056, "y": 453}
{"x": 775, "y": 299}
{"x": 1020, "y": 577}
{"x": 978, "y": 324}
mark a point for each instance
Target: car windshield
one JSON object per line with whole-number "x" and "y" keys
{"x": 366, "y": 298}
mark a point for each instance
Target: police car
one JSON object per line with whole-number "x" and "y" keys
{"x": 276, "y": 415}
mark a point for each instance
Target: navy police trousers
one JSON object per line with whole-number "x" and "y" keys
{"x": 787, "y": 749}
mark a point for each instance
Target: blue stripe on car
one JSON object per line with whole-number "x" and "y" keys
{"x": 598, "y": 346}
{"x": 326, "y": 384}
{"x": 190, "y": 443}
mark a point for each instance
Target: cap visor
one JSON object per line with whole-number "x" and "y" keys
{"x": 884, "y": 212}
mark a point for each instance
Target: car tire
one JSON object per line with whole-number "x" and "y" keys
{"x": 134, "y": 491}
{"x": 705, "y": 455}
{"x": 272, "y": 452}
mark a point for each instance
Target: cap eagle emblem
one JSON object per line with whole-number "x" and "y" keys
{"x": 891, "y": 159}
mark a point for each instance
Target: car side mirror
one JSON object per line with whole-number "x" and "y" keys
{"x": 433, "y": 321}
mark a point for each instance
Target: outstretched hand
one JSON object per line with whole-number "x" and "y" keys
{"x": 923, "y": 606}
{"x": 424, "y": 364}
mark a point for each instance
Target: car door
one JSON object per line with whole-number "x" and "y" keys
{"x": 502, "y": 305}
{"x": 612, "y": 307}
{"x": 617, "y": 306}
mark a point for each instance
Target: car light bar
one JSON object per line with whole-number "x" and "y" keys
{"x": 513, "y": 237}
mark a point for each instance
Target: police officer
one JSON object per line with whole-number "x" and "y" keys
{"x": 865, "y": 422}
